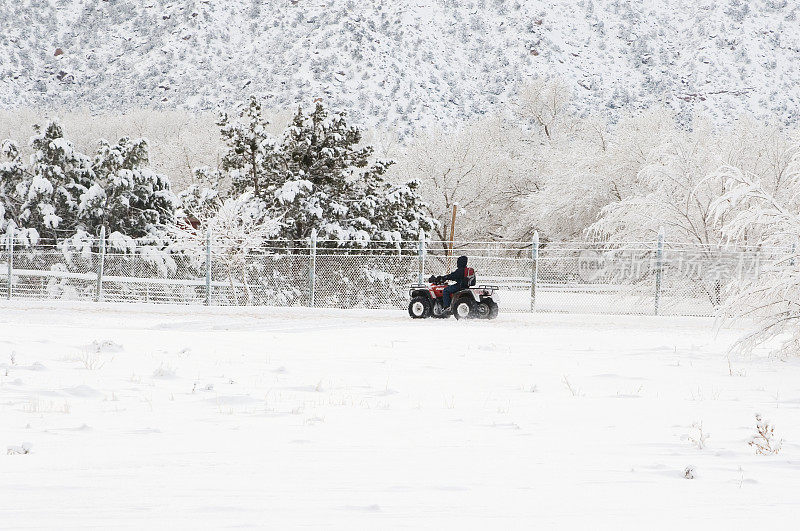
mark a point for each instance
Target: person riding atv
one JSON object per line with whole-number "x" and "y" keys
{"x": 461, "y": 276}
{"x": 468, "y": 301}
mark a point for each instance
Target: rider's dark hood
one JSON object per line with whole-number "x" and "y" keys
{"x": 462, "y": 262}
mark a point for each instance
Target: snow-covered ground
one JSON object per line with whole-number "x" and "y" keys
{"x": 145, "y": 416}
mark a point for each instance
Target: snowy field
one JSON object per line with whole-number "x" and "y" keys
{"x": 175, "y": 417}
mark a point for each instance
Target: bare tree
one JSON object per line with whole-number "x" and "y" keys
{"x": 474, "y": 168}
{"x": 545, "y": 102}
{"x": 772, "y": 298}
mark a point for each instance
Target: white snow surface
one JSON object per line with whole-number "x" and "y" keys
{"x": 138, "y": 416}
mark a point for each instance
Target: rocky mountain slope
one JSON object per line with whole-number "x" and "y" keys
{"x": 403, "y": 62}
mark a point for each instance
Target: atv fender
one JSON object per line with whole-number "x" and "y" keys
{"x": 420, "y": 293}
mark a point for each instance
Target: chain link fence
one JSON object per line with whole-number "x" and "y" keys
{"x": 637, "y": 278}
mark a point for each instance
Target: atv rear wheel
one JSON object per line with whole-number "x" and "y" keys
{"x": 463, "y": 309}
{"x": 419, "y": 307}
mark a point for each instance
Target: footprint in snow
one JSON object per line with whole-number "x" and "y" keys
{"x": 363, "y": 508}
{"x": 83, "y": 391}
{"x": 145, "y": 431}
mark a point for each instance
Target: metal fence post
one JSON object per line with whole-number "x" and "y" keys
{"x": 422, "y": 250}
{"x": 659, "y": 267}
{"x": 208, "y": 265}
{"x": 312, "y": 272}
{"x": 99, "y": 294}
{"x": 534, "y": 268}
{"x": 10, "y": 248}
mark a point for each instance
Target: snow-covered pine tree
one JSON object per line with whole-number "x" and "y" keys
{"x": 318, "y": 176}
{"x": 250, "y": 156}
{"x": 12, "y": 173}
{"x": 201, "y": 199}
{"x": 330, "y": 183}
{"x": 45, "y": 200}
{"x": 63, "y": 194}
{"x": 396, "y": 211}
{"x": 126, "y": 195}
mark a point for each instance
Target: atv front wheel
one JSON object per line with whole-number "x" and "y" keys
{"x": 419, "y": 307}
{"x": 463, "y": 309}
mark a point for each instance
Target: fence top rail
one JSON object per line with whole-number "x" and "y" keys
{"x": 484, "y": 254}
{"x": 433, "y": 247}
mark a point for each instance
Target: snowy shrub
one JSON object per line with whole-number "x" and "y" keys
{"x": 764, "y": 440}
{"x": 104, "y": 345}
{"x": 206, "y": 387}
{"x": 689, "y": 472}
{"x": 59, "y": 287}
{"x": 92, "y": 361}
{"x": 35, "y": 405}
{"x": 164, "y": 370}
{"x": 22, "y": 449}
{"x": 238, "y": 228}
{"x": 697, "y": 436}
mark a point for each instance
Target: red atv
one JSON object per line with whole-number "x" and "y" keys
{"x": 472, "y": 302}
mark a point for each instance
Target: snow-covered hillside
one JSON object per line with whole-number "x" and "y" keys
{"x": 402, "y": 62}
{"x": 182, "y": 418}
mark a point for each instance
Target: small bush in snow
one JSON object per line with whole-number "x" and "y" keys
{"x": 764, "y": 439}
{"x": 92, "y": 361}
{"x": 689, "y": 472}
{"x": 34, "y": 405}
{"x": 697, "y": 436}
{"x": 164, "y": 371}
{"x": 105, "y": 345}
{"x": 24, "y": 448}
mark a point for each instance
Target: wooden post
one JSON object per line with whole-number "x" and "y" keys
{"x": 452, "y": 235}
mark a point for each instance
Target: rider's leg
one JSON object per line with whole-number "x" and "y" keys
{"x": 449, "y": 290}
